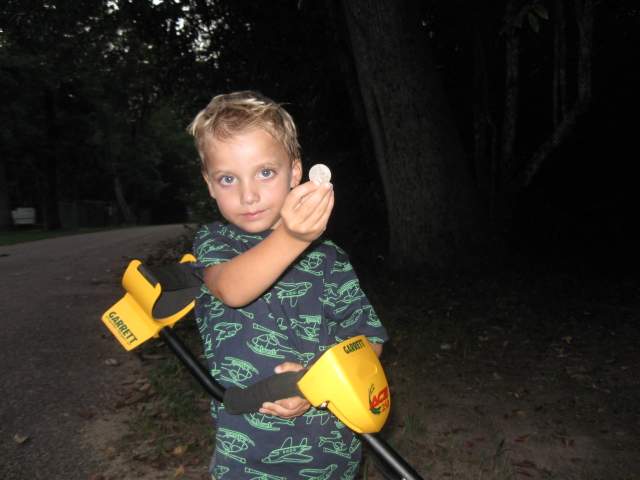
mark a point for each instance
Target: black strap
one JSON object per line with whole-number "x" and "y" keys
{"x": 177, "y": 276}
{"x": 247, "y": 400}
{"x": 180, "y": 285}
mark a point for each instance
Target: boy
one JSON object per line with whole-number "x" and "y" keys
{"x": 275, "y": 295}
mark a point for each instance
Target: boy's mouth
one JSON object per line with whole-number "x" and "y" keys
{"x": 252, "y": 215}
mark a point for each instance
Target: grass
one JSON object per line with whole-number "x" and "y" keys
{"x": 171, "y": 426}
{"x": 177, "y": 397}
{"x": 12, "y": 237}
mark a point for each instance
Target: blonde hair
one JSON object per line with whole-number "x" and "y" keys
{"x": 233, "y": 113}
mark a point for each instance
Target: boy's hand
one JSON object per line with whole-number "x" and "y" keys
{"x": 306, "y": 210}
{"x": 286, "y": 407}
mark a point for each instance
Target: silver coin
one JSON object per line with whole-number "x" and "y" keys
{"x": 319, "y": 173}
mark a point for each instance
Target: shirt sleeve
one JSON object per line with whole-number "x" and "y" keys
{"x": 212, "y": 245}
{"x": 345, "y": 304}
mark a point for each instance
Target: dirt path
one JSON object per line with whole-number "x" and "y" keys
{"x": 53, "y": 347}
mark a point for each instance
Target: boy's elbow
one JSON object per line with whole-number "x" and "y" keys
{"x": 228, "y": 296}
{"x": 231, "y": 300}
{"x": 216, "y": 286}
{"x": 225, "y": 289}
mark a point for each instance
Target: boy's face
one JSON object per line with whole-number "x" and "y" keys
{"x": 249, "y": 177}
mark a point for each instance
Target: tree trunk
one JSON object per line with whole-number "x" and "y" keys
{"x": 350, "y": 76}
{"x": 5, "y": 210}
{"x": 417, "y": 148}
{"x": 511, "y": 92}
{"x": 50, "y": 158}
{"x": 559, "y": 65}
{"x": 127, "y": 213}
{"x": 484, "y": 134}
{"x": 118, "y": 190}
{"x": 584, "y": 16}
{"x": 564, "y": 128}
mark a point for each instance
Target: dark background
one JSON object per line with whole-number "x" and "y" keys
{"x": 512, "y": 306}
{"x": 96, "y": 100}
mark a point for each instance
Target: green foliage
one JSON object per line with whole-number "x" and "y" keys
{"x": 126, "y": 78}
{"x": 118, "y": 73}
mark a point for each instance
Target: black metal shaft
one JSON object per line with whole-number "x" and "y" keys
{"x": 389, "y": 456}
{"x": 200, "y": 373}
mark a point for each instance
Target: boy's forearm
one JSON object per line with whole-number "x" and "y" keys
{"x": 377, "y": 348}
{"x": 244, "y": 278}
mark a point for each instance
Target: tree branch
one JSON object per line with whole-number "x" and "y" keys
{"x": 564, "y": 128}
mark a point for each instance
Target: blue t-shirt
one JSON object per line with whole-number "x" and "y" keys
{"x": 316, "y": 303}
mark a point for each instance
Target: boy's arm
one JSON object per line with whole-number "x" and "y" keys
{"x": 377, "y": 348}
{"x": 244, "y": 278}
{"x": 287, "y": 407}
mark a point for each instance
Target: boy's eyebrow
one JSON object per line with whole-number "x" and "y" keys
{"x": 270, "y": 164}
{"x": 216, "y": 171}
{"x": 266, "y": 164}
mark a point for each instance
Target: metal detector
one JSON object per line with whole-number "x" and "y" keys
{"x": 347, "y": 379}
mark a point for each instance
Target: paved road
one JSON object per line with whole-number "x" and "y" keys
{"x": 53, "y": 345}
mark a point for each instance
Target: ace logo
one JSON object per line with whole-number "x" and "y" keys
{"x": 378, "y": 402}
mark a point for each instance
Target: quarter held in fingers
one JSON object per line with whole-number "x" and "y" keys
{"x": 319, "y": 174}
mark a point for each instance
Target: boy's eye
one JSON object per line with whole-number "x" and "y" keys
{"x": 226, "y": 179}
{"x": 266, "y": 173}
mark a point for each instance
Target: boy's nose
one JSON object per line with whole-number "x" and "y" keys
{"x": 250, "y": 195}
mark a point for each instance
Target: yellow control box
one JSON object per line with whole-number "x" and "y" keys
{"x": 349, "y": 380}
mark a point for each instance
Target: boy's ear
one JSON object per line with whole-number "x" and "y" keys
{"x": 207, "y": 180}
{"x": 296, "y": 173}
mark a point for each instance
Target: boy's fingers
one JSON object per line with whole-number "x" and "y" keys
{"x": 302, "y": 190}
{"x": 327, "y": 207}
{"x": 288, "y": 367}
{"x": 304, "y": 218}
{"x": 320, "y": 216}
{"x": 299, "y": 196}
{"x": 309, "y": 204}
{"x": 269, "y": 408}
{"x": 286, "y": 407}
{"x": 292, "y": 403}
